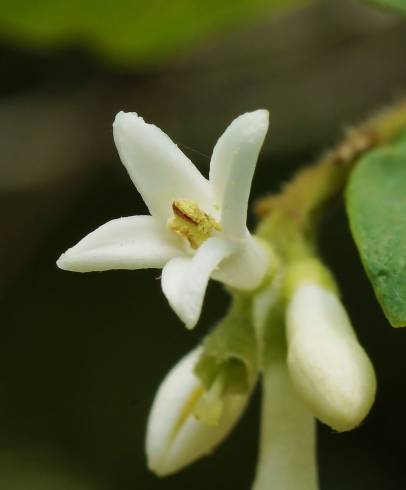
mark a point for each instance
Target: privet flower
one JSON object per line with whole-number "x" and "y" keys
{"x": 197, "y": 227}
{"x": 176, "y": 433}
{"x": 328, "y": 366}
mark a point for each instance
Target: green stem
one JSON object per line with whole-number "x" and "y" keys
{"x": 298, "y": 208}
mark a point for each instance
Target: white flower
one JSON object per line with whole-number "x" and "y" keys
{"x": 197, "y": 228}
{"x": 175, "y": 437}
{"x": 328, "y": 366}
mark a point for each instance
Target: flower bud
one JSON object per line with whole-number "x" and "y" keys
{"x": 328, "y": 366}
{"x": 178, "y": 431}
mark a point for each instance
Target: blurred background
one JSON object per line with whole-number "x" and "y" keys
{"x": 81, "y": 356}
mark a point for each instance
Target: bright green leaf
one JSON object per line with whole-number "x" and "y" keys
{"x": 376, "y": 205}
{"x": 143, "y": 31}
{"x": 399, "y": 5}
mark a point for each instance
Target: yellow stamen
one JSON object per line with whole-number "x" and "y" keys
{"x": 192, "y": 223}
{"x": 209, "y": 407}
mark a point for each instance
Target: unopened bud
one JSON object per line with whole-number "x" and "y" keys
{"x": 186, "y": 421}
{"x": 328, "y": 366}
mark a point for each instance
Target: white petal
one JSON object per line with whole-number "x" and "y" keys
{"x": 232, "y": 167}
{"x": 175, "y": 438}
{"x": 135, "y": 242}
{"x": 184, "y": 280}
{"x": 246, "y": 268}
{"x": 159, "y": 170}
{"x": 328, "y": 366}
{"x": 287, "y": 456}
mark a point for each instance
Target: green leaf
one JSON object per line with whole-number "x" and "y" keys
{"x": 143, "y": 31}
{"x": 376, "y": 205}
{"x": 399, "y": 5}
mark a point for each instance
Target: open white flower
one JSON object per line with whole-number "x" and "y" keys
{"x": 197, "y": 228}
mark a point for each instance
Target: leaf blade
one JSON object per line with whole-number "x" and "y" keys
{"x": 376, "y": 206}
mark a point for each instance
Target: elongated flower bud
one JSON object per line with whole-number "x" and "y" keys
{"x": 175, "y": 436}
{"x": 328, "y": 366}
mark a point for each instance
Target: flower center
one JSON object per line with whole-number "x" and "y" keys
{"x": 192, "y": 223}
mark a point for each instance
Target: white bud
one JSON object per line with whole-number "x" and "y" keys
{"x": 175, "y": 437}
{"x": 328, "y": 366}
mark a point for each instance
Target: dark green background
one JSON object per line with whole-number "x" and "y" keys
{"x": 81, "y": 356}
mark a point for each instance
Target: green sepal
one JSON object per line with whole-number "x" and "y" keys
{"x": 231, "y": 349}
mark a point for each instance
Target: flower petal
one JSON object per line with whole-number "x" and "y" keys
{"x": 159, "y": 170}
{"x": 135, "y": 242}
{"x": 247, "y": 266}
{"x": 175, "y": 438}
{"x": 184, "y": 280}
{"x": 232, "y": 167}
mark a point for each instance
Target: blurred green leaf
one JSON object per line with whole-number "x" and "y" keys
{"x": 40, "y": 470}
{"x": 143, "y": 31}
{"x": 399, "y": 5}
{"x": 376, "y": 205}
